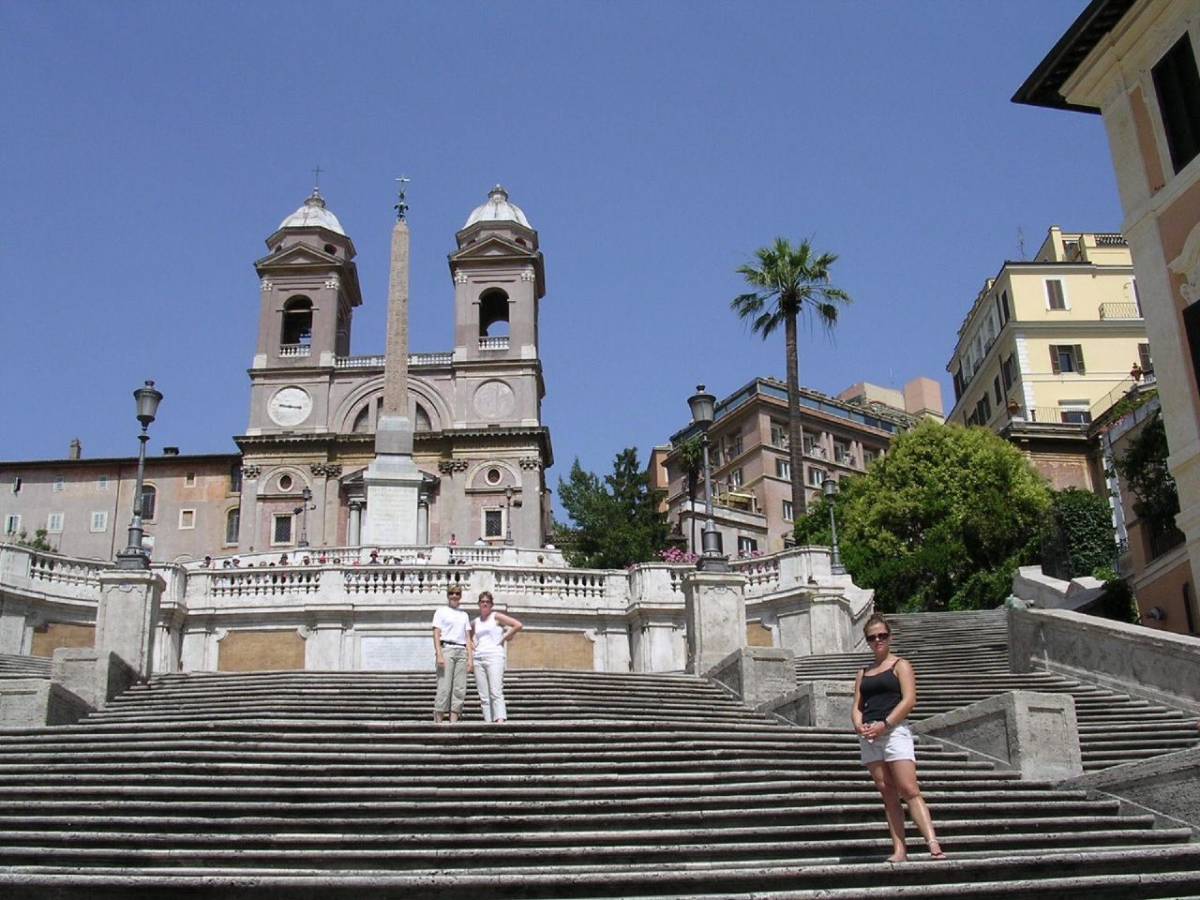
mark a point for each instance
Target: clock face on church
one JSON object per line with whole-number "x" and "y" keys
{"x": 290, "y": 406}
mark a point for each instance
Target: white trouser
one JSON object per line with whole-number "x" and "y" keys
{"x": 489, "y": 678}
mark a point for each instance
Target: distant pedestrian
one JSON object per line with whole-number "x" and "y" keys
{"x": 490, "y": 633}
{"x": 885, "y": 692}
{"x": 453, "y": 650}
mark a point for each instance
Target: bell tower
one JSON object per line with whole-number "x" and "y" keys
{"x": 309, "y": 287}
{"x": 499, "y": 279}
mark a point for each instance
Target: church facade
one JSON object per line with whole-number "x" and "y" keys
{"x": 479, "y": 441}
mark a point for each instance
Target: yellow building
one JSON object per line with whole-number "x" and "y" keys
{"x": 1135, "y": 63}
{"x": 1049, "y": 344}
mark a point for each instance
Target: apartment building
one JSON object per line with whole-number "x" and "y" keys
{"x": 1135, "y": 63}
{"x": 751, "y": 466}
{"x": 1048, "y": 344}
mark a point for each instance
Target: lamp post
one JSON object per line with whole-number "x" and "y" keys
{"x": 134, "y": 556}
{"x": 307, "y": 496}
{"x": 712, "y": 557}
{"x": 509, "y": 505}
{"x": 829, "y": 487}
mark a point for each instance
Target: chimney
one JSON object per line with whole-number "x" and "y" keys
{"x": 170, "y": 451}
{"x": 76, "y": 450}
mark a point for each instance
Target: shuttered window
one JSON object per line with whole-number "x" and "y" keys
{"x": 1177, "y": 85}
{"x": 1067, "y": 358}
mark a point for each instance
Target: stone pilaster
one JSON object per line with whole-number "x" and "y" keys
{"x": 127, "y": 617}
{"x": 715, "y": 615}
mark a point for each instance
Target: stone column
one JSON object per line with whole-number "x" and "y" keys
{"x": 127, "y": 617}
{"x": 393, "y": 480}
{"x": 423, "y": 520}
{"x": 715, "y": 615}
{"x": 354, "y": 538}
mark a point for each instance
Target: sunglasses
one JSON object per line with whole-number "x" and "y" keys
{"x": 878, "y": 638}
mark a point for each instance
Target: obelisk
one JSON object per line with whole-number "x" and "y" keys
{"x": 392, "y": 480}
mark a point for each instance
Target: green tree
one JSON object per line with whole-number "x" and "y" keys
{"x": 37, "y": 542}
{"x": 1078, "y": 537}
{"x": 942, "y": 521}
{"x": 1144, "y": 468}
{"x": 789, "y": 282}
{"x": 615, "y": 520}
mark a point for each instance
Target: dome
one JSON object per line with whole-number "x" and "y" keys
{"x": 498, "y": 209}
{"x": 313, "y": 214}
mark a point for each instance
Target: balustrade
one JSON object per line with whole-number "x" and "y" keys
{"x": 494, "y": 343}
{"x": 294, "y": 349}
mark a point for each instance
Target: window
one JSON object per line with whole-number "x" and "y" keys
{"x": 285, "y": 482}
{"x": 297, "y": 322}
{"x": 1145, "y": 360}
{"x": 869, "y": 456}
{"x": 59, "y": 482}
{"x": 1067, "y": 358}
{"x": 787, "y": 511}
{"x": 189, "y": 479}
{"x": 493, "y": 476}
{"x": 996, "y": 389}
{"x": 747, "y": 545}
{"x": 816, "y": 477}
{"x": 281, "y": 529}
{"x": 54, "y": 523}
{"x": 493, "y": 313}
{"x": 102, "y": 482}
{"x": 493, "y": 523}
{"x": 1074, "y": 412}
{"x": 733, "y": 446}
{"x": 16, "y": 484}
{"x": 1055, "y": 299}
{"x": 783, "y": 469}
{"x": 1007, "y": 372}
{"x": 841, "y": 453}
{"x": 235, "y": 479}
{"x": 12, "y": 524}
{"x": 736, "y": 479}
{"x": 812, "y": 444}
{"x": 1177, "y": 85}
{"x": 983, "y": 410}
{"x": 187, "y": 519}
{"x": 1002, "y": 308}
{"x": 779, "y": 434}
{"x": 149, "y": 502}
{"x": 959, "y": 385}
{"x": 233, "y": 524}
{"x": 99, "y": 522}
{"x": 1191, "y": 327}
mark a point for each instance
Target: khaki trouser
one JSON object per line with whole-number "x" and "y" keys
{"x": 489, "y": 678}
{"x": 452, "y": 681}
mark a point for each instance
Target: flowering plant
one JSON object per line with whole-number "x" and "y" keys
{"x": 675, "y": 555}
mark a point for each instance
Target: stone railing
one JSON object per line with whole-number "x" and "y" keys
{"x": 1119, "y": 311}
{"x": 39, "y": 574}
{"x": 494, "y": 343}
{"x": 357, "y": 362}
{"x": 762, "y": 573}
{"x": 414, "y": 359}
{"x": 430, "y": 359}
{"x": 286, "y": 350}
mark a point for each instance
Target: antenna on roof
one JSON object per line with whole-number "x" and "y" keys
{"x": 1021, "y": 241}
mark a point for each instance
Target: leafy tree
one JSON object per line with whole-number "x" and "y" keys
{"x": 39, "y": 540}
{"x": 789, "y": 282}
{"x": 942, "y": 521}
{"x": 1144, "y": 468}
{"x": 616, "y": 520}
{"x": 1078, "y": 537}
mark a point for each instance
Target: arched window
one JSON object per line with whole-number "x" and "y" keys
{"x": 297, "y": 322}
{"x": 493, "y": 313}
{"x": 149, "y": 501}
{"x": 362, "y": 422}
{"x": 233, "y": 524}
{"x": 422, "y": 422}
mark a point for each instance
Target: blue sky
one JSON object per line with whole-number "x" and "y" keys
{"x": 150, "y": 148}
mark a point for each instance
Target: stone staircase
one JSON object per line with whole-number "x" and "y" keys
{"x": 961, "y": 658}
{"x": 332, "y": 785}
{"x": 12, "y": 666}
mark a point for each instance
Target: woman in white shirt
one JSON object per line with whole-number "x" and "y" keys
{"x": 491, "y": 631}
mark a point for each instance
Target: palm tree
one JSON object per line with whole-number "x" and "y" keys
{"x": 691, "y": 460}
{"x": 789, "y": 282}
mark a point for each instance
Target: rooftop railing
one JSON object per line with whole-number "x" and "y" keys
{"x": 294, "y": 349}
{"x": 1119, "y": 311}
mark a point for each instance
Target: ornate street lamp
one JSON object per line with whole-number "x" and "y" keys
{"x": 712, "y": 558}
{"x": 306, "y": 495}
{"x": 509, "y": 505}
{"x": 829, "y": 487}
{"x": 134, "y": 556}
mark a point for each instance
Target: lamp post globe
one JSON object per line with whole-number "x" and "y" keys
{"x": 829, "y": 487}
{"x": 712, "y": 557}
{"x": 134, "y": 555}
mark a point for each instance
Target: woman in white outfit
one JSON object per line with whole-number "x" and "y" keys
{"x": 491, "y": 631}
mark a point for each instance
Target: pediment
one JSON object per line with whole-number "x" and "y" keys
{"x": 494, "y": 247}
{"x": 298, "y": 255}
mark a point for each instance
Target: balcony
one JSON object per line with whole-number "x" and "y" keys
{"x": 1119, "y": 311}
{"x": 414, "y": 359}
{"x": 294, "y": 350}
{"x": 494, "y": 343}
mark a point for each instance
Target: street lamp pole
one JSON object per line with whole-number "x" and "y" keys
{"x": 509, "y": 505}
{"x": 829, "y": 487}
{"x": 712, "y": 557}
{"x": 307, "y": 496}
{"x": 134, "y": 556}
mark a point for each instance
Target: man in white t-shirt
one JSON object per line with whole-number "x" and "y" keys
{"x": 455, "y": 652}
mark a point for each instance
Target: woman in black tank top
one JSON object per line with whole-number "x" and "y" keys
{"x": 884, "y": 694}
